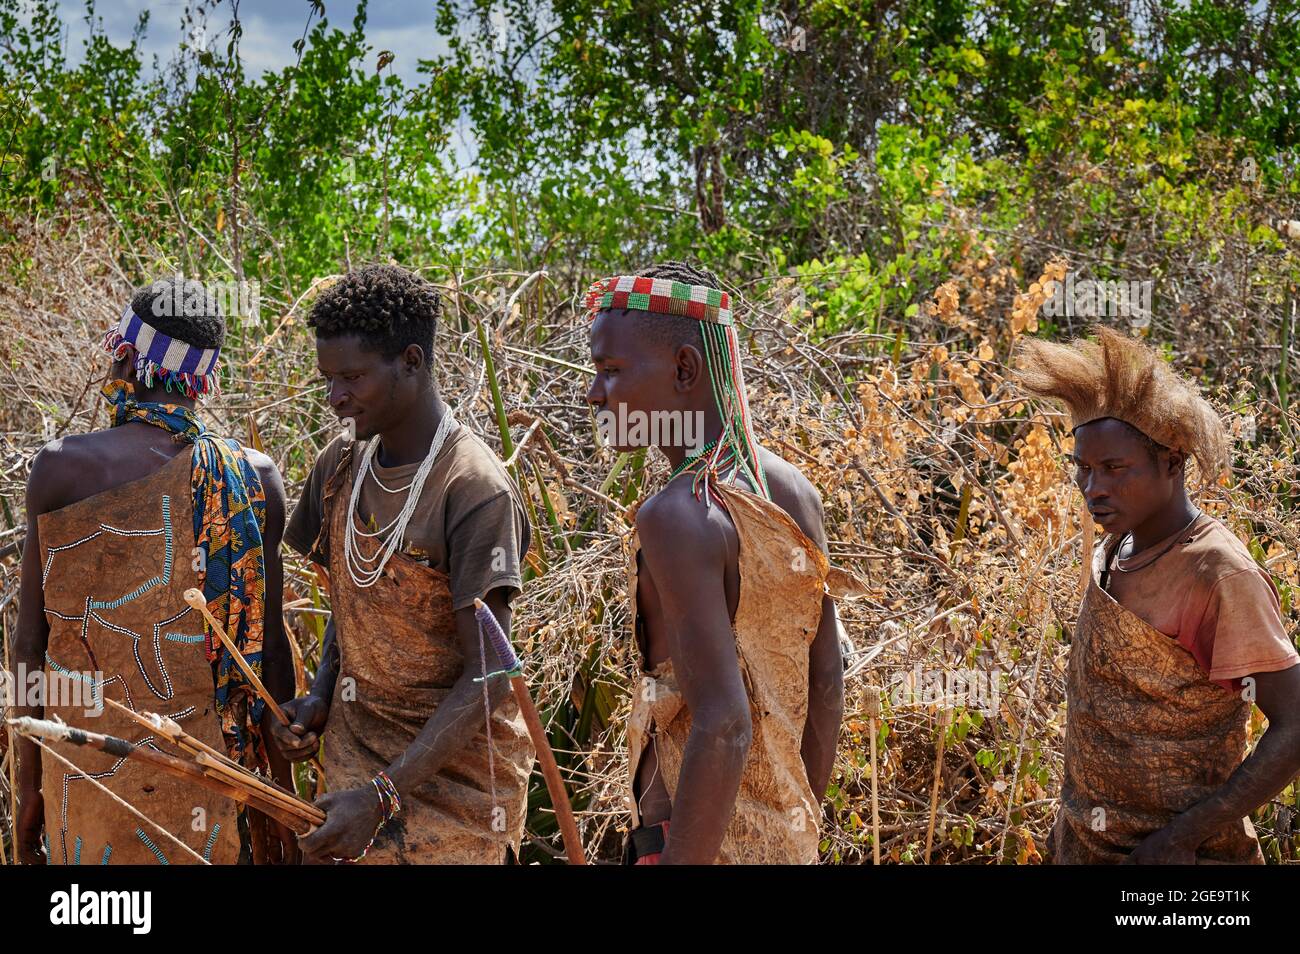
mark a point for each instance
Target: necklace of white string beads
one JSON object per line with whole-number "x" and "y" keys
{"x": 366, "y": 570}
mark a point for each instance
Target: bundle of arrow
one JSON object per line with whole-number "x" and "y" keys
{"x": 198, "y": 762}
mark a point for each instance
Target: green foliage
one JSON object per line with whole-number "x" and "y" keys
{"x": 852, "y": 156}
{"x": 604, "y": 132}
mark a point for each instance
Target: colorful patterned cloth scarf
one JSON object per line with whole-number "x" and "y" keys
{"x": 229, "y": 513}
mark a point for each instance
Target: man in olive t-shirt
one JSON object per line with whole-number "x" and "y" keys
{"x": 434, "y": 524}
{"x": 468, "y": 522}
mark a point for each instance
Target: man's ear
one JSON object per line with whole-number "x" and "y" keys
{"x": 123, "y": 368}
{"x": 1177, "y": 463}
{"x": 690, "y": 367}
{"x": 413, "y": 358}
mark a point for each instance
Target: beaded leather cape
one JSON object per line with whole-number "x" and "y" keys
{"x": 115, "y": 567}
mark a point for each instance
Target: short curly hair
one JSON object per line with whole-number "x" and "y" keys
{"x": 183, "y": 309}
{"x": 388, "y": 307}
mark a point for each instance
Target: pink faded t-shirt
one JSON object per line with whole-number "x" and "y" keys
{"x": 1202, "y": 587}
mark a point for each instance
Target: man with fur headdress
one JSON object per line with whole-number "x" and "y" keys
{"x": 1179, "y": 632}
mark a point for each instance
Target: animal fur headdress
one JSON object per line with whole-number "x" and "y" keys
{"x": 1120, "y": 377}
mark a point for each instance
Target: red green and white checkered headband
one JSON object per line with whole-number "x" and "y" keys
{"x": 660, "y": 296}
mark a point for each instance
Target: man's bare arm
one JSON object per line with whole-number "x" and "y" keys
{"x": 327, "y": 671}
{"x": 29, "y": 653}
{"x": 277, "y": 661}
{"x": 686, "y": 556}
{"x": 1269, "y": 769}
{"x": 308, "y": 714}
{"x": 821, "y": 733}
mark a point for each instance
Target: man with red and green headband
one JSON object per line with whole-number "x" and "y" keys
{"x": 735, "y": 719}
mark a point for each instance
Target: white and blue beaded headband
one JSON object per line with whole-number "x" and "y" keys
{"x": 162, "y": 358}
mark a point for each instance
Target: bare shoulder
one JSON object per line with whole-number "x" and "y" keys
{"x": 267, "y": 470}
{"x": 272, "y": 486}
{"x": 59, "y": 469}
{"x": 795, "y": 494}
{"x": 674, "y": 521}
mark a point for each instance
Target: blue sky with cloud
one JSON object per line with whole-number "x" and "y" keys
{"x": 406, "y": 27}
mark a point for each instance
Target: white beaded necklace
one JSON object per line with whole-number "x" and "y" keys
{"x": 366, "y": 570}
{"x": 385, "y": 488}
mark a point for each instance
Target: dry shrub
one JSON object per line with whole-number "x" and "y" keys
{"x": 945, "y": 494}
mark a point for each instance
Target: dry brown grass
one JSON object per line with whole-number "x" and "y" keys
{"x": 943, "y": 493}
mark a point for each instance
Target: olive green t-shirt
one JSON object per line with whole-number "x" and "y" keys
{"x": 469, "y": 522}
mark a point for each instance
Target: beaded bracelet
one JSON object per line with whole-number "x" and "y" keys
{"x": 390, "y": 799}
{"x": 390, "y": 803}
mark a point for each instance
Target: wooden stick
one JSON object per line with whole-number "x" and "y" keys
{"x": 875, "y": 797}
{"x": 195, "y": 598}
{"x": 550, "y": 770}
{"x": 287, "y": 812}
{"x": 875, "y": 779}
{"x": 169, "y": 729}
{"x": 229, "y": 788}
{"x": 305, "y": 810}
{"x": 938, "y": 780}
{"x": 169, "y": 764}
{"x": 220, "y": 764}
{"x": 177, "y": 736}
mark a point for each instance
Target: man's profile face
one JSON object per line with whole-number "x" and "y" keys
{"x": 1123, "y": 482}
{"x": 631, "y": 376}
{"x": 362, "y": 385}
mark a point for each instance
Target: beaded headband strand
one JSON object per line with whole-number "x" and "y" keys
{"x": 737, "y": 448}
{"x": 660, "y": 296}
{"x": 179, "y": 366}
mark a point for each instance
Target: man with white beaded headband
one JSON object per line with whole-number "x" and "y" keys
{"x": 412, "y": 517}
{"x": 120, "y": 523}
{"x": 1180, "y": 630}
{"x": 735, "y": 718}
